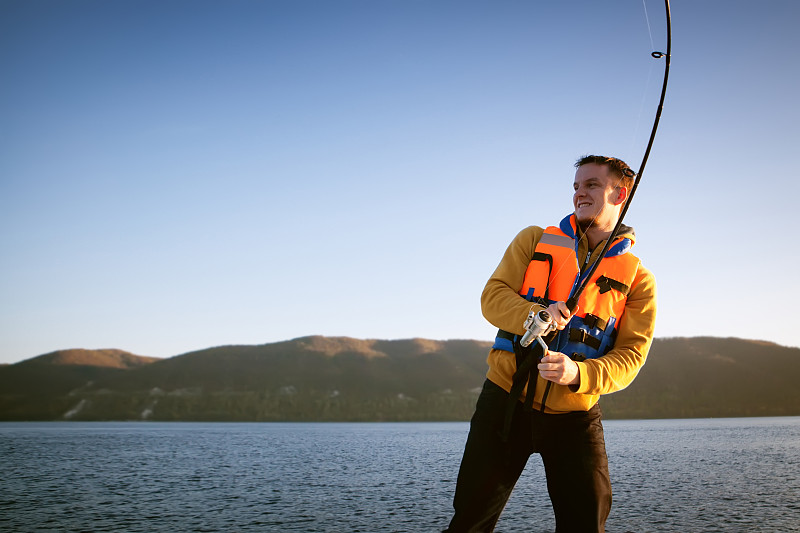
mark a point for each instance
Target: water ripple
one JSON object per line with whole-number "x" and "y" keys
{"x": 699, "y": 475}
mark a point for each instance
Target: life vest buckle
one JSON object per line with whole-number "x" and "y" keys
{"x": 594, "y": 321}
{"x": 580, "y": 336}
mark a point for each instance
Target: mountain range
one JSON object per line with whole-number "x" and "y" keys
{"x": 346, "y": 379}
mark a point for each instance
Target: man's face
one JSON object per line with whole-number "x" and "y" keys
{"x": 597, "y": 197}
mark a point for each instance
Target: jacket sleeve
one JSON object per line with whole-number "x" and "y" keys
{"x": 501, "y": 303}
{"x": 617, "y": 369}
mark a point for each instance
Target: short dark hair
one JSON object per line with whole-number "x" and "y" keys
{"x": 615, "y": 166}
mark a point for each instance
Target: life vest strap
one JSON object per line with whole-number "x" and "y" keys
{"x": 503, "y": 334}
{"x": 527, "y": 373}
{"x": 541, "y": 256}
{"x": 594, "y": 321}
{"x": 606, "y": 284}
{"x": 579, "y": 335}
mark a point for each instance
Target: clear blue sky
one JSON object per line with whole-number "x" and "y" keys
{"x": 179, "y": 174}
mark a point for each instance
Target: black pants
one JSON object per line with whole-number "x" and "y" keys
{"x": 574, "y": 456}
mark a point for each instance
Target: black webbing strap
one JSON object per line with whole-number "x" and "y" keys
{"x": 579, "y": 335}
{"x": 527, "y": 373}
{"x": 503, "y": 334}
{"x": 527, "y": 358}
{"x": 594, "y": 321}
{"x": 606, "y": 284}
{"x": 541, "y": 256}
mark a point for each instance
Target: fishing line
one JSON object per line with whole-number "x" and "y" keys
{"x": 647, "y": 81}
{"x": 572, "y": 301}
{"x": 645, "y": 90}
{"x": 647, "y": 20}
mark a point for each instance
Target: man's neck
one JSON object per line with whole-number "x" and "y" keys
{"x": 595, "y": 235}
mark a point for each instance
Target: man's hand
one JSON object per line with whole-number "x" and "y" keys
{"x": 560, "y": 313}
{"x": 560, "y": 369}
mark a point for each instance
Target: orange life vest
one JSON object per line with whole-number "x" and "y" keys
{"x": 553, "y": 274}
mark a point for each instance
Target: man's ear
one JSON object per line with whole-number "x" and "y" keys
{"x": 622, "y": 195}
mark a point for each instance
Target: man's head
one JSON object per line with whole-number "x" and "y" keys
{"x": 601, "y": 187}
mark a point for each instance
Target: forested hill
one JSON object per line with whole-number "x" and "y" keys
{"x": 340, "y": 378}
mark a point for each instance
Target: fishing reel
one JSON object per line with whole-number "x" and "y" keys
{"x": 537, "y": 324}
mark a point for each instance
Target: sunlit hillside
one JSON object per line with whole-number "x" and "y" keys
{"x": 340, "y": 378}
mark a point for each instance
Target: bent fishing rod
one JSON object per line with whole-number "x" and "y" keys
{"x": 572, "y": 302}
{"x": 540, "y": 323}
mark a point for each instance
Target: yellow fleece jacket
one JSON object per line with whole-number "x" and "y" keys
{"x": 503, "y": 307}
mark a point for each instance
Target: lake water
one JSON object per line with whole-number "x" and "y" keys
{"x": 709, "y": 475}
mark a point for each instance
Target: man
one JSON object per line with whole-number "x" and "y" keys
{"x": 599, "y": 348}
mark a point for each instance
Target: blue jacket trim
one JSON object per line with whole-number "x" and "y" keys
{"x": 620, "y": 248}
{"x": 566, "y": 226}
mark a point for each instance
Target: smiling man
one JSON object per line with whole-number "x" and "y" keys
{"x": 599, "y": 349}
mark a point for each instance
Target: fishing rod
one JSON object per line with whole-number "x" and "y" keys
{"x": 572, "y": 302}
{"x": 539, "y": 325}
